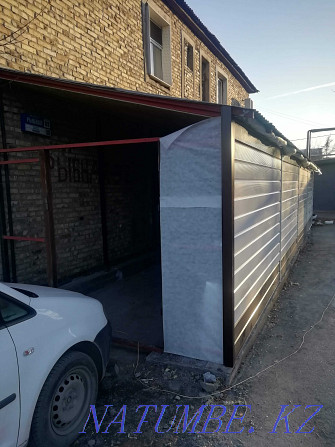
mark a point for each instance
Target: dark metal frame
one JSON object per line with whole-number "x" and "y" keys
{"x": 8, "y": 256}
{"x": 49, "y": 226}
{"x": 78, "y": 145}
{"x": 102, "y": 194}
{"x": 227, "y": 191}
{"x": 24, "y": 238}
{"x": 309, "y": 135}
{"x": 17, "y": 162}
{"x": 158, "y": 101}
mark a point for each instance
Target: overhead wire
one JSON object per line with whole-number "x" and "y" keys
{"x": 316, "y": 136}
{"x": 22, "y": 28}
{"x": 291, "y": 117}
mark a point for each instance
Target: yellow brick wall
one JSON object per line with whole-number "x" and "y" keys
{"x": 97, "y": 41}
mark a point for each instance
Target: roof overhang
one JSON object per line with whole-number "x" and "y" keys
{"x": 162, "y": 102}
{"x": 251, "y": 119}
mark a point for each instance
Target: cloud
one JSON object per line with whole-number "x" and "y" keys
{"x": 309, "y": 89}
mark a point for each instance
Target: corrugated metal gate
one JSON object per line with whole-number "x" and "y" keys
{"x": 273, "y": 209}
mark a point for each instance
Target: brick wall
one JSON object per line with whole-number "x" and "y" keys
{"x": 76, "y": 190}
{"x": 98, "y": 42}
{"x": 76, "y": 202}
{"x": 68, "y": 124}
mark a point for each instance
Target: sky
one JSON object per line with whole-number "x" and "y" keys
{"x": 287, "y": 50}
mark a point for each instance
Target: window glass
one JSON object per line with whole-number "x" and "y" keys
{"x": 156, "y": 33}
{"x": 156, "y": 50}
{"x": 204, "y": 79}
{"x": 189, "y": 56}
{"x": 222, "y": 90}
{"x": 156, "y": 60}
{"x": 10, "y": 311}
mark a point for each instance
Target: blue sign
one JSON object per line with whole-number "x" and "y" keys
{"x": 35, "y": 124}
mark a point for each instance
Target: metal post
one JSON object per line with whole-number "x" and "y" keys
{"x": 309, "y": 137}
{"x": 48, "y": 218}
{"x": 280, "y": 215}
{"x": 308, "y": 144}
{"x": 3, "y": 224}
{"x": 3, "y": 243}
{"x": 102, "y": 191}
{"x": 227, "y": 176}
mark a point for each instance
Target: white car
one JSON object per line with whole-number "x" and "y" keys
{"x": 54, "y": 349}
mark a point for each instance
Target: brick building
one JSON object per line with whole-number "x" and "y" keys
{"x": 156, "y": 47}
{"x": 159, "y": 47}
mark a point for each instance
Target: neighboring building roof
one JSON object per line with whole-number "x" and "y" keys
{"x": 325, "y": 161}
{"x": 187, "y": 15}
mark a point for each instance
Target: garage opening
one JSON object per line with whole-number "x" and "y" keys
{"x": 109, "y": 224}
{"x": 129, "y": 197}
{"x": 92, "y": 224}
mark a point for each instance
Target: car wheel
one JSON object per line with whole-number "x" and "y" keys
{"x": 63, "y": 404}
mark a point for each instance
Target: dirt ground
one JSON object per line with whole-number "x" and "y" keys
{"x": 305, "y": 380}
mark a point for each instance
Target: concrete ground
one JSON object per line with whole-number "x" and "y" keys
{"x": 133, "y": 305}
{"x": 131, "y": 295}
{"x": 292, "y": 363}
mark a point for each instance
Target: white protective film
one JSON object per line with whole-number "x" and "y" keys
{"x": 191, "y": 234}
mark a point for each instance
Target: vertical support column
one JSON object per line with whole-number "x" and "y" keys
{"x": 3, "y": 243}
{"x": 102, "y": 191}
{"x": 280, "y": 215}
{"x": 298, "y": 202}
{"x": 3, "y": 224}
{"x": 48, "y": 218}
{"x": 312, "y": 189}
{"x": 227, "y": 177}
{"x": 156, "y": 200}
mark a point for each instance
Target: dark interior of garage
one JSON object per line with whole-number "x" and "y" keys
{"x": 105, "y": 202}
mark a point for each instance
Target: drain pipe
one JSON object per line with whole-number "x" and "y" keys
{"x": 3, "y": 243}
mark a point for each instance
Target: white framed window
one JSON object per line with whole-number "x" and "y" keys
{"x": 157, "y": 44}
{"x": 156, "y": 50}
{"x": 222, "y": 88}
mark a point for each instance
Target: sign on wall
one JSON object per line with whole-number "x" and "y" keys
{"x": 35, "y": 124}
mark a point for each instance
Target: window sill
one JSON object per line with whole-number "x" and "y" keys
{"x": 163, "y": 83}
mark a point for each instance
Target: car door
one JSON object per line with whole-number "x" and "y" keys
{"x": 9, "y": 388}
{"x": 14, "y": 310}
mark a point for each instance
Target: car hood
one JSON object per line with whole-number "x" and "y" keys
{"x": 58, "y": 302}
{"x": 43, "y": 292}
